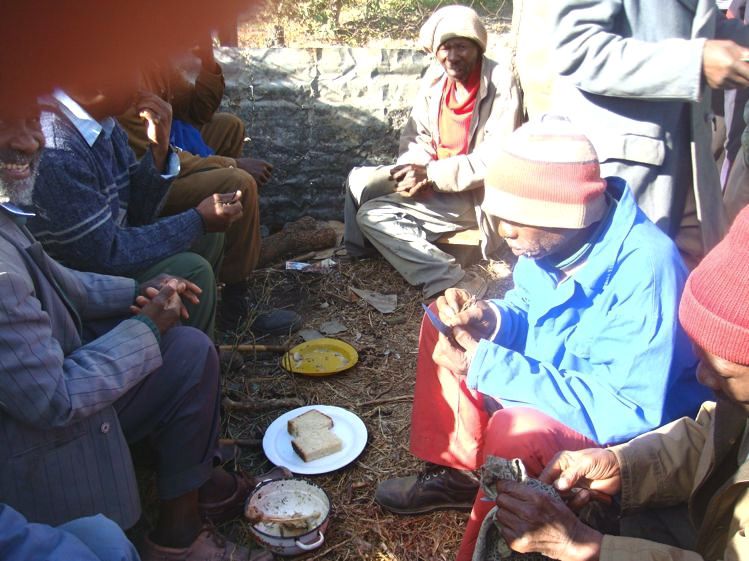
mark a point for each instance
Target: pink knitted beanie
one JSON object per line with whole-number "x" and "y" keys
{"x": 714, "y": 309}
{"x": 546, "y": 175}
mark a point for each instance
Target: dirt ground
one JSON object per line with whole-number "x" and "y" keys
{"x": 378, "y": 389}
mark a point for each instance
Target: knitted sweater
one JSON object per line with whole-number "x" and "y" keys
{"x": 97, "y": 207}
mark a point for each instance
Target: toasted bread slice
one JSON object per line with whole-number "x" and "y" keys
{"x": 315, "y": 444}
{"x": 309, "y": 421}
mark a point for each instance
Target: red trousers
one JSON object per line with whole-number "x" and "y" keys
{"x": 451, "y": 426}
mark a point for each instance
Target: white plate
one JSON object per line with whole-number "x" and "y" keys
{"x": 347, "y": 426}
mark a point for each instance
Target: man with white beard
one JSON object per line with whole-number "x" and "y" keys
{"x": 91, "y": 363}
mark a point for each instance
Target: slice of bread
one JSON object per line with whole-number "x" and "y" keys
{"x": 316, "y": 443}
{"x": 309, "y": 421}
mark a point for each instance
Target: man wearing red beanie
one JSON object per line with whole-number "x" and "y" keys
{"x": 702, "y": 464}
{"x": 586, "y": 350}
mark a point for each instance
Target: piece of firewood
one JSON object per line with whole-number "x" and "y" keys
{"x": 302, "y": 236}
{"x": 261, "y": 404}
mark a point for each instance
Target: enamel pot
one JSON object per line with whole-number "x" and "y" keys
{"x": 289, "y": 498}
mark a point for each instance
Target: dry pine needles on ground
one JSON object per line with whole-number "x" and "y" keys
{"x": 378, "y": 389}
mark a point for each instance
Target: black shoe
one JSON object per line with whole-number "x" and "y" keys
{"x": 435, "y": 488}
{"x": 276, "y": 322}
{"x": 237, "y": 306}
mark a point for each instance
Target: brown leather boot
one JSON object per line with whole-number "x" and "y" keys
{"x": 435, "y": 488}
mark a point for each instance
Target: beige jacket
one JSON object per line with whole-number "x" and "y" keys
{"x": 496, "y": 116}
{"x": 498, "y": 112}
{"x": 693, "y": 461}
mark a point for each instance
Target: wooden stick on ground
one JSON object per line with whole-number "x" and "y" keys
{"x": 243, "y": 442}
{"x": 386, "y": 400}
{"x": 261, "y": 405}
{"x": 250, "y": 348}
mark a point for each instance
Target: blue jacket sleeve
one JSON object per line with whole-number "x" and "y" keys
{"x": 45, "y": 386}
{"x": 619, "y": 371}
{"x": 76, "y": 223}
{"x": 21, "y": 540}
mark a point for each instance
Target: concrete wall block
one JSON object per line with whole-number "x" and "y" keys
{"x": 315, "y": 114}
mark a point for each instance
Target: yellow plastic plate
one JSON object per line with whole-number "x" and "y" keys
{"x": 320, "y": 357}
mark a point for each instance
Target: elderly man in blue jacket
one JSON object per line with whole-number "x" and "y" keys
{"x": 586, "y": 350}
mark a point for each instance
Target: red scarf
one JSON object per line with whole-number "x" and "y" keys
{"x": 455, "y": 118}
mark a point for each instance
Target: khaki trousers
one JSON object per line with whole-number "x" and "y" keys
{"x": 404, "y": 229}
{"x": 225, "y": 134}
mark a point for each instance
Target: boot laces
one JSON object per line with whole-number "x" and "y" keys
{"x": 432, "y": 471}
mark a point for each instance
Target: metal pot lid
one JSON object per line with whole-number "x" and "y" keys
{"x": 297, "y": 500}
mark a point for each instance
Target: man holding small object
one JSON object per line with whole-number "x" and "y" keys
{"x": 585, "y": 350}
{"x": 209, "y": 146}
{"x": 701, "y": 463}
{"x": 98, "y": 208}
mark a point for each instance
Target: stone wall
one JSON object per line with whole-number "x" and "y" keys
{"x": 315, "y": 114}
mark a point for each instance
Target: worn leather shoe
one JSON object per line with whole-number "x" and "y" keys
{"x": 435, "y": 488}
{"x": 276, "y": 322}
{"x": 473, "y": 283}
{"x": 233, "y": 505}
{"x": 238, "y": 305}
{"x": 208, "y": 546}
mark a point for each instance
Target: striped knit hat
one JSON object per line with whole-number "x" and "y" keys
{"x": 546, "y": 175}
{"x": 714, "y": 309}
{"x": 450, "y": 22}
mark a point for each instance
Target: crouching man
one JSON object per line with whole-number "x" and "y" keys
{"x": 701, "y": 463}
{"x": 585, "y": 350}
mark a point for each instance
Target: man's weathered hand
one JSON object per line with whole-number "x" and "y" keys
{"x": 582, "y": 475}
{"x": 163, "y": 306}
{"x": 532, "y": 521}
{"x": 724, "y": 64}
{"x": 260, "y": 170}
{"x": 157, "y": 115}
{"x": 448, "y": 354}
{"x": 187, "y": 290}
{"x": 204, "y": 51}
{"x": 219, "y": 210}
{"x": 410, "y": 179}
{"x": 457, "y": 308}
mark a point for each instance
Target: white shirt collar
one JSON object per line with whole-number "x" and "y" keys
{"x": 89, "y": 127}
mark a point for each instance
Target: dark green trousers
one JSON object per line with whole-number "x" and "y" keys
{"x": 198, "y": 266}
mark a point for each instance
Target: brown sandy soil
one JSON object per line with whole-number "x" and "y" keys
{"x": 378, "y": 389}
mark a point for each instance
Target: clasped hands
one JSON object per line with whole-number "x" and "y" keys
{"x": 161, "y": 300}
{"x": 410, "y": 179}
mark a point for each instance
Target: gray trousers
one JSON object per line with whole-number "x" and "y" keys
{"x": 404, "y": 229}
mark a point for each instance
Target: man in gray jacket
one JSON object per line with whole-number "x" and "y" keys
{"x": 91, "y": 363}
{"x": 437, "y": 183}
{"x": 635, "y": 77}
